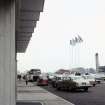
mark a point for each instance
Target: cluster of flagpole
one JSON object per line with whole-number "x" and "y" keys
{"x": 76, "y": 40}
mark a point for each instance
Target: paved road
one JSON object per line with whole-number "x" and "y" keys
{"x": 95, "y": 95}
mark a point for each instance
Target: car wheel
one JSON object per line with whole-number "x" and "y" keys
{"x": 86, "y": 89}
{"x": 94, "y": 85}
{"x": 53, "y": 85}
{"x": 99, "y": 82}
{"x": 58, "y": 88}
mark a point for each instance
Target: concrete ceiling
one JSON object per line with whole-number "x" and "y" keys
{"x": 27, "y": 15}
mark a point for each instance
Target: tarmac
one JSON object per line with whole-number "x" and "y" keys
{"x": 35, "y": 95}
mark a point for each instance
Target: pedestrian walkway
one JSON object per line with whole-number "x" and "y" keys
{"x": 33, "y": 93}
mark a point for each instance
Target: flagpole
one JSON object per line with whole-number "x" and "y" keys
{"x": 75, "y": 51}
{"x": 72, "y": 56}
{"x": 78, "y": 54}
{"x": 72, "y": 43}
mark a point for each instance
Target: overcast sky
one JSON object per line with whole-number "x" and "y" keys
{"x": 62, "y": 20}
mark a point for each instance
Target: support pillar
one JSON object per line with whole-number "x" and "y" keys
{"x": 7, "y": 53}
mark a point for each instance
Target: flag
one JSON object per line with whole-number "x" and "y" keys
{"x": 80, "y": 39}
{"x": 76, "y": 40}
{"x": 72, "y": 42}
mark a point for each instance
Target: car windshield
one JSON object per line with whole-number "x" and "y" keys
{"x": 59, "y": 78}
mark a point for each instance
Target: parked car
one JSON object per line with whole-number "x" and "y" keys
{"x": 42, "y": 81}
{"x": 90, "y": 78}
{"x": 55, "y": 79}
{"x": 73, "y": 82}
{"x": 99, "y": 77}
{"x": 50, "y": 78}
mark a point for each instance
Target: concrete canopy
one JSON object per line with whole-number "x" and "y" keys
{"x": 27, "y": 15}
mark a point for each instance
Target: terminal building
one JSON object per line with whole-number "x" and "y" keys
{"x": 18, "y": 18}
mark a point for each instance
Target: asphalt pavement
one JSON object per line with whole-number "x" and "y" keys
{"x": 95, "y": 95}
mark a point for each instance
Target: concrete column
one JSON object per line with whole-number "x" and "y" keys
{"x": 7, "y": 52}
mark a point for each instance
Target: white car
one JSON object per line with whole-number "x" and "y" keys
{"x": 81, "y": 83}
{"x": 99, "y": 77}
{"x": 90, "y": 78}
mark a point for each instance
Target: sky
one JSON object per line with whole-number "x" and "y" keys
{"x": 49, "y": 48}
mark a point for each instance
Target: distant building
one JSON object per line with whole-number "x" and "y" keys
{"x": 79, "y": 70}
{"x": 62, "y": 71}
{"x": 91, "y": 70}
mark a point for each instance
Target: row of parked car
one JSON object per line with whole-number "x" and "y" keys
{"x": 77, "y": 81}
{"x": 71, "y": 81}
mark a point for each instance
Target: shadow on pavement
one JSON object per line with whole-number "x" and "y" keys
{"x": 28, "y": 103}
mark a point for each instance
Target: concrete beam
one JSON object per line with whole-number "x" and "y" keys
{"x": 24, "y": 23}
{"x": 25, "y": 15}
{"x": 32, "y": 5}
{"x": 26, "y": 29}
{"x": 22, "y": 37}
{"x": 19, "y": 34}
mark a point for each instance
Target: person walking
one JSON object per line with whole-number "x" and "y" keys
{"x": 26, "y": 80}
